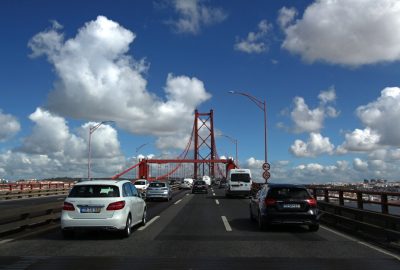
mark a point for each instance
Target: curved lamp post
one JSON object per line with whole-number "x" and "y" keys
{"x": 262, "y": 105}
{"x": 91, "y": 130}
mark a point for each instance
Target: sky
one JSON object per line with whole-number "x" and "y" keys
{"x": 328, "y": 71}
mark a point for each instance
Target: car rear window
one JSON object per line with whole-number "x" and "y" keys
{"x": 240, "y": 177}
{"x": 199, "y": 183}
{"x": 157, "y": 184}
{"x": 140, "y": 183}
{"x": 94, "y": 191}
{"x": 288, "y": 193}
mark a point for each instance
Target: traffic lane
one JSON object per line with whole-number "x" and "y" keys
{"x": 163, "y": 246}
{"x": 128, "y": 263}
{"x": 294, "y": 241}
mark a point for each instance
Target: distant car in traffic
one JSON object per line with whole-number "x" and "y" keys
{"x": 159, "y": 190}
{"x": 284, "y": 204}
{"x": 186, "y": 184}
{"x": 142, "y": 185}
{"x": 200, "y": 186}
{"x": 103, "y": 204}
{"x": 222, "y": 183}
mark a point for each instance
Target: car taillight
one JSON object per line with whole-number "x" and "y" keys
{"x": 68, "y": 206}
{"x": 270, "y": 201}
{"x": 312, "y": 202}
{"x": 116, "y": 206}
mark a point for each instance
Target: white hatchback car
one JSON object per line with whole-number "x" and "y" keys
{"x": 103, "y": 204}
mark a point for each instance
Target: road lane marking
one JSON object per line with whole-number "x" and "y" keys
{"x": 362, "y": 243}
{"x": 5, "y": 241}
{"x": 149, "y": 223}
{"x": 216, "y": 201}
{"x": 213, "y": 194}
{"x": 178, "y": 201}
{"x": 226, "y": 224}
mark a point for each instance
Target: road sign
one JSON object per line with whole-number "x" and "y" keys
{"x": 266, "y": 175}
{"x": 266, "y": 166}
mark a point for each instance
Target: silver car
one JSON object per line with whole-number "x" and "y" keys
{"x": 103, "y": 204}
{"x": 159, "y": 190}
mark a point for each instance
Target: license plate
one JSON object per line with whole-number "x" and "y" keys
{"x": 90, "y": 210}
{"x": 291, "y": 206}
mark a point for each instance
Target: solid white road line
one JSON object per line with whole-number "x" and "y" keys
{"x": 178, "y": 201}
{"x": 362, "y": 243}
{"x": 149, "y": 223}
{"x": 216, "y": 201}
{"x": 226, "y": 224}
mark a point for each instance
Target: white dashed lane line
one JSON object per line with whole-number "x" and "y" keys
{"x": 178, "y": 201}
{"x": 216, "y": 201}
{"x": 149, "y": 223}
{"x": 226, "y": 224}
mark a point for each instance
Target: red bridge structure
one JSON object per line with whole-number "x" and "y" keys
{"x": 205, "y": 160}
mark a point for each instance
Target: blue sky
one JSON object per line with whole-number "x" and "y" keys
{"x": 328, "y": 71}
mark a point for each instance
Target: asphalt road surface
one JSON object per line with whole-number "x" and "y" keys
{"x": 197, "y": 232}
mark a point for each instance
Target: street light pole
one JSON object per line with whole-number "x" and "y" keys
{"x": 263, "y": 106}
{"x": 91, "y": 130}
{"x": 235, "y": 141}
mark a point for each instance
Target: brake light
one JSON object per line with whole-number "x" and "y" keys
{"x": 116, "y": 206}
{"x": 312, "y": 202}
{"x": 270, "y": 201}
{"x": 68, "y": 206}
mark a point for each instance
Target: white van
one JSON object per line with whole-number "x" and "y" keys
{"x": 186, "y": 184}
{"x": 238, "y": 182}
{"x": 207, "y": 179}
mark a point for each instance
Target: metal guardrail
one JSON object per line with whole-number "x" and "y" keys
{"x": 381, "y": 226}
{"x": 361, "y": 197}
{"x": 28, "y": 217}
{"x": 18, "y": 194}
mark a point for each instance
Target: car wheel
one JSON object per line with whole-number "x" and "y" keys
{"x": 252, "y": 218}
{"x": 67, "y": 234}
{"x": 313, "y": 227}
{"x": 144, "y": 217}
{"x": 127, "y": 231}
{"x": 261, "y": 222}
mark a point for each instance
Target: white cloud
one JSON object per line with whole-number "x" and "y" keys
{"x": 346, "y": 32}
{"x": 381, "y": 115}
{"x": 255, "y": 42}
{"x": 98, "y": 80}
{"x": 9, "y": 126}
{"x": 360, "y": 165}
{"x": 328, "y": 95}
{"x": 316, "y": 145}
{"x": 52, "y": 150}
{"x": 359, "y": 141}
{"x": 312, "y": 120}
{"x": 286, "y": 16}
{"x": 193, "y": 15}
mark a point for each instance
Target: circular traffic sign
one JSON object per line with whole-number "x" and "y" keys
{"x": 266, "y": 175}
{"x": 266, "y": 166}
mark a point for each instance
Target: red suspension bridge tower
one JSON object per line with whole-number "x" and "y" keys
{"x": 205, "y": 157}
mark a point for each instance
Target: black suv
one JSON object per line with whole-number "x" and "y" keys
{"x": 284, "y": 204}
{"x": 199, "y": 186}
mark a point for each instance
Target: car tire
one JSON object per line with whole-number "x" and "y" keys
{"x": 144, "y": 217}
{"x": 261, "y": 223}
{"x": 128, "y": 227}
{"x": 67, "y": 234}
{"x": 313, "y": 227}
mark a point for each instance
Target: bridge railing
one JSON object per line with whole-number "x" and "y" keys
{"x": 18, "y": 190}
{"x": 387, "y": 202}
{"x": 374, "y": 215}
